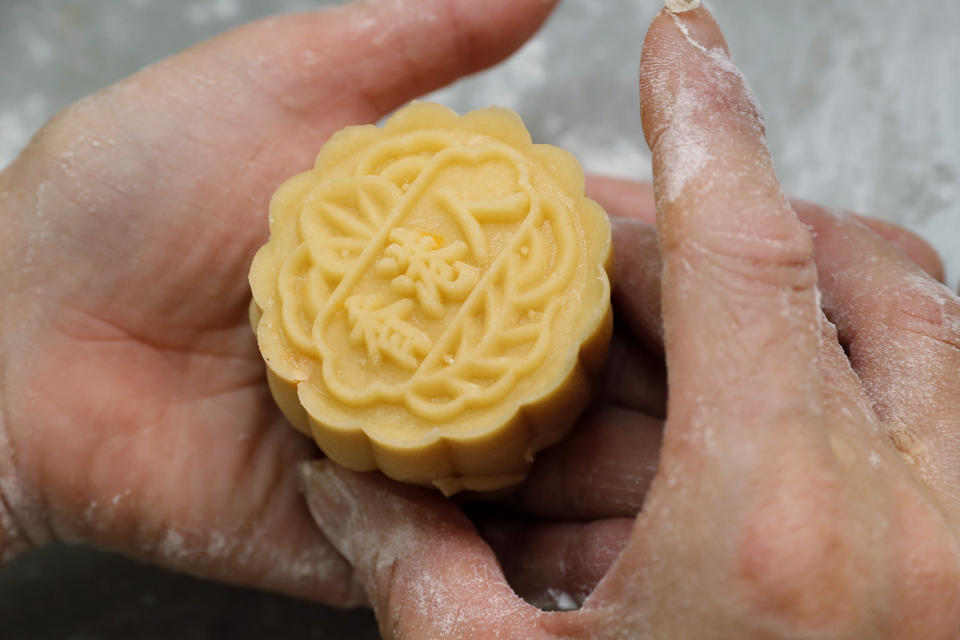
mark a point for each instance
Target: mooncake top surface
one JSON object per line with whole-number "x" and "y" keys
{"x": 430, "y": 278}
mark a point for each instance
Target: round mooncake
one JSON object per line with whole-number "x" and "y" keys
{"x": 434, "y": 297}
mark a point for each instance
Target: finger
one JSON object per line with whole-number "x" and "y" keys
{"x": 427, "y": 573}
{"x": 741, "y": 318}
{"x": 916, "y": 248}
{"x": 636, "y": 280}
{"x": 902, "y": 332}
{"x": 373, "y": 56}
{"x": 623, "y": 198}
{"x": 634, "y": 377}
{"x": 742, "y": 328}
{"x": 602, "y": 470}
{"x": 254, "y": 105}
{"x": 636, "y": 283}
{"x": 556, "y": 565}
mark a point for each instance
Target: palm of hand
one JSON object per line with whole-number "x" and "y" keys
{"x": 136, "y": 404}
{"x": 150, "y": 411}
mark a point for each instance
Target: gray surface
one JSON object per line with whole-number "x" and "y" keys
{"x": 862, "y": 100}
{"x": 66, "y": 593}
{"x": 862, "y": 97}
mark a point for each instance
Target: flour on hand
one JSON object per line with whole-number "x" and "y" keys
{"x": 678, "y": 6}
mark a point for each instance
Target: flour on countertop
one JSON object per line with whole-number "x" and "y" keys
{"x": 861, "y": 98}
{"x": 562, "y": 601}
{"x": 200, "y": 13}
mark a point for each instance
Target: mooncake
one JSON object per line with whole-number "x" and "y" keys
{"x": 433, "y": 299}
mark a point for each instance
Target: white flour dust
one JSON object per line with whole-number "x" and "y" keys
{"x": 683, "y": 146}
{"x": 861, "y": 97}
{"x": 684, "y": 142}
{"x": 21, "y": 519}
{"x": 679, "y": 6}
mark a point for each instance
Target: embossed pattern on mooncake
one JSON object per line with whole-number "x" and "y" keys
{"x": 433, "y": 296}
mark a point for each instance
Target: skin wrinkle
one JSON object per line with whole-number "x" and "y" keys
{"x": 85, "y": 174}
{"x": 930, "y": 562}
{"x": 200, "y": 139}
{"x": 119, "y": 334}
{"x": 65, "y": 533}
{"x": 109, "y": 367}
{"x": 756, "y": 277}
{"x": 931, "y": 312}
{"x": 335, "y": 99}
{"x": 892, "y": 320}
{"x": 773, "y": 474}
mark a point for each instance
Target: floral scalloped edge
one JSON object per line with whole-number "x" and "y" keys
{"x": 286, "y": 365}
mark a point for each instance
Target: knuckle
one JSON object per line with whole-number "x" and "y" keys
{"x": 926, "y": 309}
{"x": 773, "y": 254}
{"x": 388, "y": 593}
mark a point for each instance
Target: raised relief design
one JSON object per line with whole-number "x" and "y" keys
{"x": 427, "y": 281}
{"x": 419, "y": 267}
{"x": 383, "y": 330}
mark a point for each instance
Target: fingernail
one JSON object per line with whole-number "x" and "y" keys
{"x": 699, "y": 29}
{"x": 720, "y": 75}
{"x": 332, "y": 507}
{"x": 679, "y": 6}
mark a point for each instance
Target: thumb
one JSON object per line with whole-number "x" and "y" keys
{"x": 369, "y": 57}
{"x": 734, "y": 251}
{"x": 426, "y": 571}
{"x": 254, "y": 105}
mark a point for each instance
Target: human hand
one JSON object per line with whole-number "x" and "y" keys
{"x": 134, "y": 412}
{"x": 585, "y": 491}
{"x": 807, "y": 483}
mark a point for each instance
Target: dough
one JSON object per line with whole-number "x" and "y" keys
{"x": 434, "y": 297}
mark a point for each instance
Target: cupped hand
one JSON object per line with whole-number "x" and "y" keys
{"x": 807, "y": 484}
{"x": 134, "y": 412}
{"x": 585, "y": 491}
